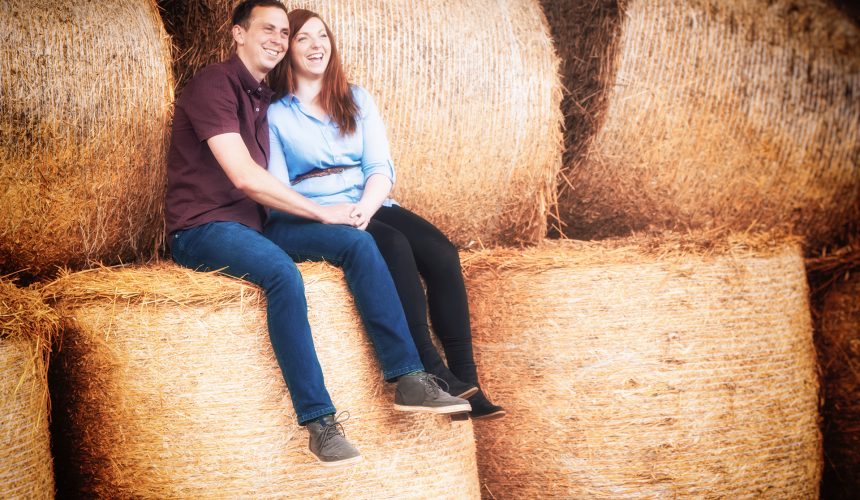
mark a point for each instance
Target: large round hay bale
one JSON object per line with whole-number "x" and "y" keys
{"x": 642, "y": 370}
{"x": 839, "y": 344}
{"x": 703, "y": 114}
{"x": 85, "y": 104}
{"x": 26, "y": 327}
{"x": 469, "y": 92}
{"x": 172, "y": 391}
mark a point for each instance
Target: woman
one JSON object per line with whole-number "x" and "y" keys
{"x": 328, "y": 141}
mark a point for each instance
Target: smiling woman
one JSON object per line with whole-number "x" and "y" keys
{"x": 311, "y": 50}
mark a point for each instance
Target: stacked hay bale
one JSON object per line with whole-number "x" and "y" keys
{"x": 839, "y": 354}
{"x": 702, "y": 114}
{"x": 172, "y": 390}
{"x": 644, "y": 369}
{"x": 469, "y": 92}
{"x": 85, "y": 106}
{"x": 26, "y": 328}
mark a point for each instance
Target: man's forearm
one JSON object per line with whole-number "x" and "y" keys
{"x": 261, "y": 186}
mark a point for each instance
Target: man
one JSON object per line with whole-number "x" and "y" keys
{"x": 217, "y": 188}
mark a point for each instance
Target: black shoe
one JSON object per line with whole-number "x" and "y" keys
{"x": 457, "y": 388}
{"x": 433, "y": 364}
{"x": 483, "y": 409}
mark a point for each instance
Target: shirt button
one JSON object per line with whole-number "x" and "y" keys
{"x": 257, "y": 110}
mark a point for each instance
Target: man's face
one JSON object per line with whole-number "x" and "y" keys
{"x": 265, "y": 42}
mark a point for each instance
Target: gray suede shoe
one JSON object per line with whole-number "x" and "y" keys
{"x": 328, "y": 442}
{"x": 420, "y": 392}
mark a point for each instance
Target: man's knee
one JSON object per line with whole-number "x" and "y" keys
{"x": 360, "y": 242}
{"x": 281, "y": 271}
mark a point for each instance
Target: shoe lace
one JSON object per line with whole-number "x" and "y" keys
{"x": 432, "y": 386}
{"x": 334, "y": 428}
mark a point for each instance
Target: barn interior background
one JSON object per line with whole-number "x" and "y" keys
{"x": 658, "y": 206}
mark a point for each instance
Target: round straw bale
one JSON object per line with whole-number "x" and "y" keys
{"x": 469, "y": 92}
{"x": 839, "y": 351}
{"x": 85, "y": 104}
{"x": 634, "y": 370}
{"x": 26, "y": 327}
{"x": 172, "y": 391}
{"x": 704, "y": 114}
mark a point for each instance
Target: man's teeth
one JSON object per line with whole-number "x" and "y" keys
{"x": 271, "y": 52}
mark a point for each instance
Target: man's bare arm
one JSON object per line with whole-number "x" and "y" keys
{"x": 262, "y": 187}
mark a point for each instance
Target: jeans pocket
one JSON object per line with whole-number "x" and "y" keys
{"x": 184, "y": 244}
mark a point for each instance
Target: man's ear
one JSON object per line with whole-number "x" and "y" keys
{"x": 238, "y": 34}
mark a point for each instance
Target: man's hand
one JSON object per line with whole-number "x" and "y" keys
{"x": 338, "y": 214}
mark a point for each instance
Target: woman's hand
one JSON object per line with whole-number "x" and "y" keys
{"x": 376, "y": 190}
{"x": 338, "y": 214}
{"x": 361, "y": 215}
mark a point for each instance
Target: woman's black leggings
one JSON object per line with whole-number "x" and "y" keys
{"x": 411, "y": 246}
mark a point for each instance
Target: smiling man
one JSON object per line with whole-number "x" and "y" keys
{"x": 217, "y": 188}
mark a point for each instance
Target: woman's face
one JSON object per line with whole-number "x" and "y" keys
{"x": 310, "y": 49}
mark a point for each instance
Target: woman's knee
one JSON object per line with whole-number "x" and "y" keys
{"x": 392, "y": 244}
{"x": 442, "y": 258}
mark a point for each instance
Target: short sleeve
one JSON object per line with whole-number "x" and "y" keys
{"x": 211, "y": 105}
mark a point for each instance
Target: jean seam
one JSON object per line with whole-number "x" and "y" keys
{"x": 310, "y": 416}
{"x": 390, "y": 374}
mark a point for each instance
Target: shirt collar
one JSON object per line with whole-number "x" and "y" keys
{"x": 249, "y": 84}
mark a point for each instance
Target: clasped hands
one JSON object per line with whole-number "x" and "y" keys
{"x": 348, "y": 214}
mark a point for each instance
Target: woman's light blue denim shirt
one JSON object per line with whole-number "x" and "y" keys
{"x": 299, "y": 143}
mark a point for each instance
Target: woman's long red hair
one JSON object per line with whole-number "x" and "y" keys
{"x": 335, "y": 96}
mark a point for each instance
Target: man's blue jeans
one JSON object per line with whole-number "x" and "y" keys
{"x": 242, "y": 252}
{"x": 367, "y": 275}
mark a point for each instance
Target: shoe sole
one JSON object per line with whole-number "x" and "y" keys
{"x": 490, "y": 416}
{"x": 439, "y": 410}
{"x": 338, "y": 463}
{"x": 467, "y": 394}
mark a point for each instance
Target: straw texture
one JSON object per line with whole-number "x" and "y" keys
{"x": 173, "y": 392}
{"x": 643, "y": 372}
{"x": 469, "y": 92}
{"x": 703, "y": 114}
{"x": 26, "y": 327}
{"x": 839, "y": 345}
{"x": 84, "y": 107}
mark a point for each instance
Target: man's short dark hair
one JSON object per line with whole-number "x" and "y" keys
{"x": 242, "y": 12}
